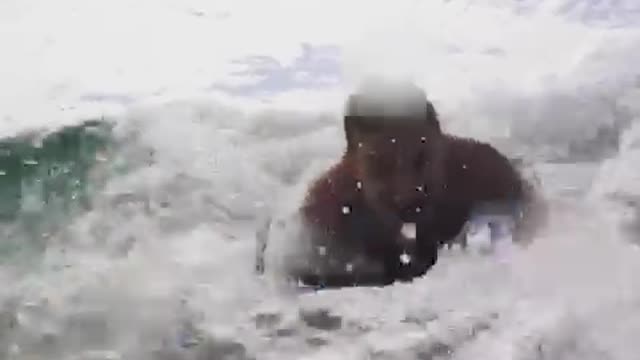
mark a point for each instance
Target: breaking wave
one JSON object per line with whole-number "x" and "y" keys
{"x": 132, "y": 237}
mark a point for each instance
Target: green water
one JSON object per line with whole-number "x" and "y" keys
{"x": 45, "y": 179}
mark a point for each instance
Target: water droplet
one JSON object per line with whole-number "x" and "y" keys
{"x": 408, "y": 230}
{"x": 359, "y": 144}
{"x": 419, "y": 188}
{"x": 322, "y": 250}
{"x": 2, "y": 172}
{"x": 423, "y": 139}
{"x": 405, "y": 258}
{"x": 359, "y": 185}
{"x": 418, "y": 209}
{"x": 349, "y": 267}
{"x": 393, "y": 140}
{"x": 464, "y": 166}
{"x": 346, "y": 209}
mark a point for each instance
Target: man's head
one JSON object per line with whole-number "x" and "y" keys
{"x": 389, "y": 104}
{"x": 393, "y": 134}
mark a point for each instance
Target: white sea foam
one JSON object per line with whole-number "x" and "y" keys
{"x": 136, "y": 273}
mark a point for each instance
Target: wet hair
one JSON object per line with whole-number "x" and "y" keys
{"x": 382, "y": 103}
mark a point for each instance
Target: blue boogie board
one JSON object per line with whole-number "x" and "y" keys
{"x": 491, "y": 227}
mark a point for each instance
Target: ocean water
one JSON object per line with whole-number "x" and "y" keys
{"x": 130, "y": 194}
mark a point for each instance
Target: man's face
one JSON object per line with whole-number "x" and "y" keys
{"x": 396, "y": 165}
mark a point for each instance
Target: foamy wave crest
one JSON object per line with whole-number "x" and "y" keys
{"x": 160, "y": 261}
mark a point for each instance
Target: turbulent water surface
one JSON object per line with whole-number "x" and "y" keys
{"x": 129, "y": 234}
